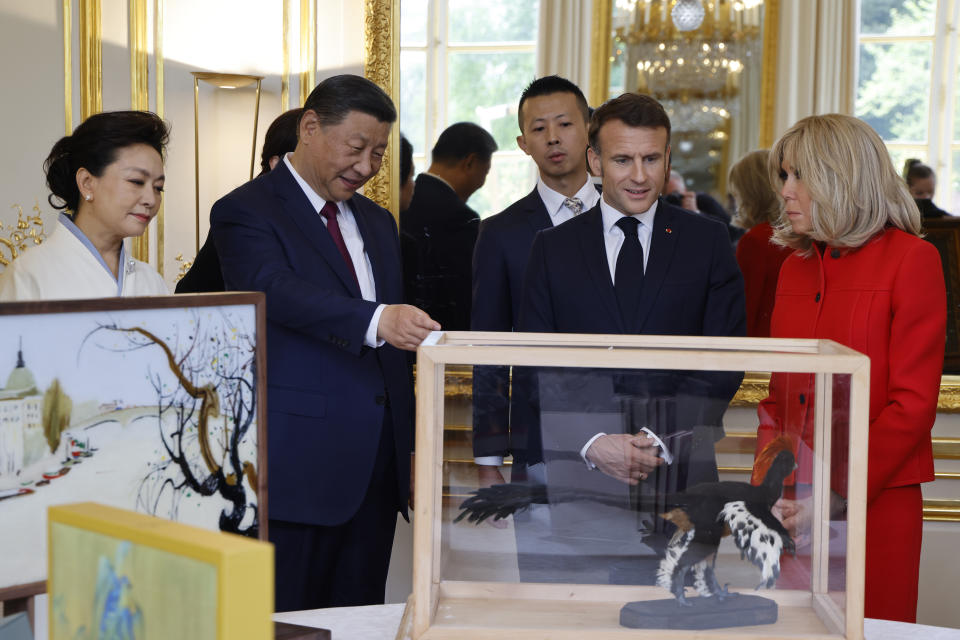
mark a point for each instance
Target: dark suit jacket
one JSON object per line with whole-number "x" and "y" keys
{"x": 691, "y": 286}
{"x": 204, "y": 275}
{"x": 438, "y": 232}
{"x": 499, "y": 262}
{"x": 326, "y": 391}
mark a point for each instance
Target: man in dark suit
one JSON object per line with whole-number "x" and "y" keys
{"x": 631, "y": 265}
{"x": 553, "y": 118}
{"x": 339, "y": 393}
{"x": 205, "y": 274}
{"x": 438, "y": 229}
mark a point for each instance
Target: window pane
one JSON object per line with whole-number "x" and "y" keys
{"x": 899, "y": 155}
{"x": 956, "y": 107}
{"x": 413, "y": 23}
{"x": 493, "y": 21}
{"x": 485, "y": 87}
{"x": 413, "y": 97}
{"x": 893, "y": 90}
{"x": 897, "y": 17}
{"x": 511, "y": 177}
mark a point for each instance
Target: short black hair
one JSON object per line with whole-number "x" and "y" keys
{"x": 634, "y": 110}
{"x": 460, "y": 140}
{"x": 914, "y": 169}
{"x": 94, "y": 145}
{"x": 406, "y": 159}
{"x": 548, "y": 85}
{"x": 337, "y": 96}
{"x": 280, "y": 138}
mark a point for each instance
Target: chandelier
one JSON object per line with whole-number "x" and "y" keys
{"x": 687, "y": 50}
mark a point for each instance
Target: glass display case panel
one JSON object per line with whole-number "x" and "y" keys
{"x": 574, "y": 484}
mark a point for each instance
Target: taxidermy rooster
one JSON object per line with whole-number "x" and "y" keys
{"x": 703, "y": 514}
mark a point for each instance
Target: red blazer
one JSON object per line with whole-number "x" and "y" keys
{"x": 886, "y": 299}
{"x": 760, "y": 261}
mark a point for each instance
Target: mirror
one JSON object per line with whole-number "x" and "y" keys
{"x": 710, "y": 62}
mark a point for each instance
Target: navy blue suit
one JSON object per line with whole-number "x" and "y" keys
{"x": 691, "y": 286}
{"x": 499, "y": 262}
{"x": 330, "y": 398}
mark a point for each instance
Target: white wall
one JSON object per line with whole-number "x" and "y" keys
{"x": 227, "y": 36}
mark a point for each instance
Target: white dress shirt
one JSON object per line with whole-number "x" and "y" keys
{"x": 613, "y": 235}
{"x": 613, "y": 238}
{"x": 354, "y": 241}
{"x": 553, "y": 200}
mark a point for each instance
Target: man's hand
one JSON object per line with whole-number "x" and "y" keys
{"x": 405, "y": 326}
{"x": 625, "y": 457}
{"x": 487, "y": 476}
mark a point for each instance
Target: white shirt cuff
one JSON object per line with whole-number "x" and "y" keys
{"x": 371, "y": 338}
{"x": 488, "y": 461}
{"x": 583, "y": 451}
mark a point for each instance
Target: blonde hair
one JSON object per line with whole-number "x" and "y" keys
{"x": 750, "y": 186}
{"x": 854, "y": 190}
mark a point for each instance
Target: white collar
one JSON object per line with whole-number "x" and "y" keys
{"x": 611, "y": 215}
{"x": 553, "y": 200}
{"x": 315, "y": 200}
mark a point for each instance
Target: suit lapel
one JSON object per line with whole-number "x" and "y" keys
{"x": 370, "y": 246}
{"x": 595, "y": 258}
{"x": 537, "y": 216}
{"x": 663, "y": 242}
{"x": 298, "y": 207}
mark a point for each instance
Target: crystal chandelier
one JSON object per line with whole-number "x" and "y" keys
{"x": 688, "y": 50}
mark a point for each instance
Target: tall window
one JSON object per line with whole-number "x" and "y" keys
{"x": 907, "y": 85}
{"x": 464, "y": 60}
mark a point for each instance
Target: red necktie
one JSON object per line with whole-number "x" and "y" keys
{"x": 329, "y": 212}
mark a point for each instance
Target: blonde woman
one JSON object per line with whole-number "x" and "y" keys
{"x": 861, "y": 276}
{"x": 108, "y": 176}
{"x": 759, "y": 258}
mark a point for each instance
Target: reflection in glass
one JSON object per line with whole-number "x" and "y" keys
{"x": 565, "y": 522}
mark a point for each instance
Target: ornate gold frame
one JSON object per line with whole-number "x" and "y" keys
{"x": 600, "y": 63}
{"x": 381, "y": 30}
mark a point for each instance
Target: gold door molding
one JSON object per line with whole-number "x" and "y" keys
{"x": 381, "y": 31}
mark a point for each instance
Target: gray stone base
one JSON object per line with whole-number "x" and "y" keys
{"x": 738, "y": 610}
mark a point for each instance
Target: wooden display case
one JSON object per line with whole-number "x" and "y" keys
{"x": 444, "y": 605}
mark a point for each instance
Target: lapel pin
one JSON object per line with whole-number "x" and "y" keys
{"x": 669, "y": 230}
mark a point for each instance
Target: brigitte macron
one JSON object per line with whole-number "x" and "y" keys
{"x": 861, "y": 275}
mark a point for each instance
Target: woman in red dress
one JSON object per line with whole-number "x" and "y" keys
{"x": 861, "y": 276}
{"x": 758, "y": 257}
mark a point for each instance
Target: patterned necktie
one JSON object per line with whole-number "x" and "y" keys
{"x": 329, "y": 212}
{"x": 628, "y": 278}
{"x": 574, "y": 204}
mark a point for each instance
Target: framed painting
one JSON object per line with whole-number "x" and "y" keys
{"x": 119, "y": 574}
{"x": 155, "y": 405}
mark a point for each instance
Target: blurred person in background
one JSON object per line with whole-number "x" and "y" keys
{"x": 439, "y": 229}
{"x": 922, "y": 183}
{"x": 281, "y": 138}
{"x": 757, "y": 208}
